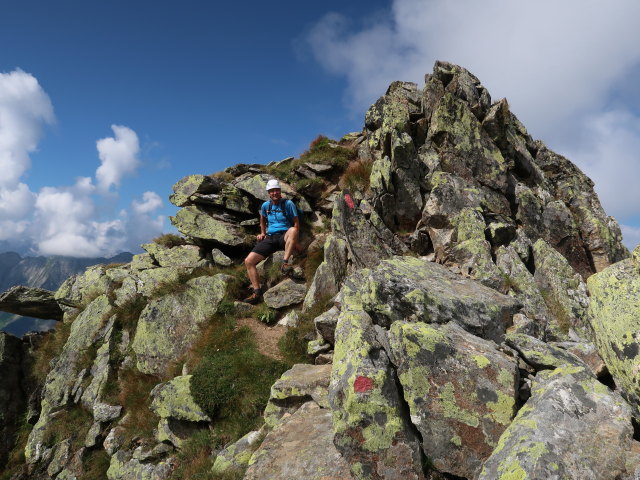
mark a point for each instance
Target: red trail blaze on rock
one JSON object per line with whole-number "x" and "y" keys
{"x": 363, "y": 384}
{"x": 349, "y": 201}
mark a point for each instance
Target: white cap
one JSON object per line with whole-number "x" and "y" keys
{"x": 273, "y": 183}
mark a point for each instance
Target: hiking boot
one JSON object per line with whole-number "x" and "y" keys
{"x": 286, "y": 269}
{"x": 255, "y": 297}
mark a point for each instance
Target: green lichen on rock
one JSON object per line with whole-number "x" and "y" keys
{"x": 614, "y": 313}
{"x": 568, "y": 408}
{"x": 174, "y": 400}
{"x": 369, "y": 425}
{"x": 196, "y": 222}
{"x": 168, "y": 325}
{"x": 456, "y": 386}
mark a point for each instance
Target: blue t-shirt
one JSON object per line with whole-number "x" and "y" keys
{"x": 277, "y": 219}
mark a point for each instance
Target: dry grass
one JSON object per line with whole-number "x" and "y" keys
{"x": 133, "y": 395}
{"x": 356, "y": 176}
{"x": 170, "y": 240}
{"x": 50, "y": 348}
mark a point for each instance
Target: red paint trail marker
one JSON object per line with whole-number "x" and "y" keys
{"x": 349, "y": 201}
{"x": 363, "y": 384}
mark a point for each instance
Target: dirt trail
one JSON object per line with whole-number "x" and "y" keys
{"x": 266, "y": 337}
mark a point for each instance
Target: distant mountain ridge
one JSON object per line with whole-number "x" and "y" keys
{"x": 43, "y": 272}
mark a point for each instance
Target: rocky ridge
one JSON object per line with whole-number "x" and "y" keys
{"x": 475, "y": 316}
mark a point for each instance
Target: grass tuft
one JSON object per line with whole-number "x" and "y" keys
{"x": 170, "y": 240}
{"x": 356, "y": 176}
{"x": 50, "y": 348}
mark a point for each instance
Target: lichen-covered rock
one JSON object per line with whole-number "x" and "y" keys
{"x": 179, "y": 256}
{"x": 564, "y": 292}
{"x": 330, "y": 274}
{"x": 541, "y": 355}
{"x": 87, "y": 330}
{"x": 234, "y": 458}
{"x": 196, "y": 222}
{"x": 91, "y": 283}
{"x": 367, "y": 239}
{"x": 523, "y": 286}
{"x": 124, "y": 467}
{"x": 31, "y": 302}
{"x": 572, "y": 427}
{"x": 296, "y": 386}
{"x": 371, "y": 429}
{"x": 614, "y": 313}
{"x": 300, "y": 448}
{"x": 408, "y": 288}
{"x": 326, "y": 323}
{"x": 169, "y": 324}
{"x": 220, "y": 258}
{"x": 460, "y": 389}
{"x": 465, "y": 147}
{"x": 285, "y": 294}
{"x": 191, "y": 185}
{"x": 173, "y": 399}
{"x": 142, "y": 261}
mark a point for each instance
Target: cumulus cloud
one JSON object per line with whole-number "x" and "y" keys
{"x": 119, "y": 157}
{"x": 24, "y": 108}
{"x": 558, "y": 63}
{"x": 71, "y": 221}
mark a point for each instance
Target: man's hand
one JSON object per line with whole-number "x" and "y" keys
{"x": 260, "y": 236}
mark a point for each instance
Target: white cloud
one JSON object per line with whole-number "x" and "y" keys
{"x": 119, "y": 157}
{"x": 558, "y": 63}
{"x": 72, "y": 221}
{"x": 151, "y": 201}
{"x": 24, "y": 108}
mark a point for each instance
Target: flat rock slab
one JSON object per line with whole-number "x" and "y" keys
{"x": 285, "y": 294}
{"x": 31, "y": 302}
{"x": 301, "y": 448}
{"x": 408, "y": 288}
{"x": 295, "y": 387}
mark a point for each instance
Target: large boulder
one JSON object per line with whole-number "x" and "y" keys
{"x": 409, "y": 288}
{"x": 191, "y": 185}
{"x": 31, "y": 302}
{"x": 196, "y": 222}
{"x": 614, "y": 313}
{"x": 169, "y": 324}
{"x": 461, "y": 391}
{"x": 572, "y": 427}
{"x": 300, "y": 448}
{"x": 371, "y": 429}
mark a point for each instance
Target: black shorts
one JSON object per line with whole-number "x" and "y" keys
{"x": 270, "y": 244}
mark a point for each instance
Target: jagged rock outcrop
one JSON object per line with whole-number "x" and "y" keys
{"x": 455, "y": 334}
{"x": 31, "y": 302}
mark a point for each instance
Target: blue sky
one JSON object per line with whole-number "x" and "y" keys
{"x": 104, "y": 105}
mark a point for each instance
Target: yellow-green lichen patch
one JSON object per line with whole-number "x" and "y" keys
{"x": 450, "y": 408}
{"x": 502, "y": 410}
{"x": 482, "y": 361}
{"x": 456, "y": 440}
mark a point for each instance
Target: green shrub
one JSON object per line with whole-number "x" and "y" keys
{"x": 232, "y": 380}
{"x": 264, "y": 314}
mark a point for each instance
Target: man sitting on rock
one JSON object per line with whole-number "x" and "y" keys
{"x": 279, "y": 230}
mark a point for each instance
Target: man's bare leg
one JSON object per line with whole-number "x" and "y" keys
{"x": 291, "y": 243}
{"x": 250, "y": 262}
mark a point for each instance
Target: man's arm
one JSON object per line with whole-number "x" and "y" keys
{"x": 263, "y": 229}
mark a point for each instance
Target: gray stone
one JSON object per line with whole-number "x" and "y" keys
{"x": 31, "y": 302}
{"x": 301, "y": 448}
{"x": 285, "y": 294}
